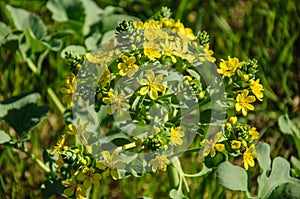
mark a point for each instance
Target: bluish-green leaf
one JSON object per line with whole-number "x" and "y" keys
{"x": 280, "y": 174}
{"x": 75, "y": 48}
{"x": 92, "y": 42}
{"x": 263, "y": 159}
{"x": 177, "y": 194}
{"x": 4, "y": 137}
{"x": 110, "y": 22}
{"x": 287, "y": 190}
{"x": 22, "y": 112}
{"x": 92, "y": 17}
{"x": 232, "y": 177}
{"x": 64, "y": 10}
{"x": 24, "y": 20}
{"x": 287, "y": 126}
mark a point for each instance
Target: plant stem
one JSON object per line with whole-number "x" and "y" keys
{"x": 50, "y": 92}
{"x": 30, "y": 155}
{"x": 173, "y": 176}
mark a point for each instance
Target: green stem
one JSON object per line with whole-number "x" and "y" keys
{"x": 50, "y": 92}
{"x": 30, "y": 155}
{"x": 173, "y": 176}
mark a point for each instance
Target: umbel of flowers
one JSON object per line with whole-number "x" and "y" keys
{"x": 148, "y": 72}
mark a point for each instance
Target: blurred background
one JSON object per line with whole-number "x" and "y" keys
{"x": 265, "y": 30}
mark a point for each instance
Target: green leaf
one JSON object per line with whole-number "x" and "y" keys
{"x": 92, "y": 42}
{"x": 280, "y": 174}
{"x": 4, "y": 30}
{"x": 75, "y": 48}
{"x": 22, "y": 112}
{"x": 232, "y": 177}
{"x": 93, "y": 15}
{"x": 110, "y": 22}
{"x": 4, "y": 137}
{"x": 64, "y": 10}
{"x": 194, "y": 74}
{"x": 264, "y": 159}
{"x": 215, "y": 161}
{"x": 177, "y": 194}
{"x": 51, "y": 187}
{"x": 286, "y": 190}
{"x": 24, "y": 20}
{"x": 295, "y": 162}
{"x": 287, "y": 126}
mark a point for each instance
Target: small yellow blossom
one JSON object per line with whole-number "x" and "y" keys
{"x": 233, "y": 119}
{"x": 59, "y": 146}
{"x": 71, "y": 130}
{"x": 110, "y": 163}
{"x": 209, "y": 146}
{"x": 159, "y": 163}
{"x": 249, "y": 156}
{"x": 254, "y": 133}
{"x": 208, "y": 54}
{"x": 128, "y": 67}
{"x": 245, "y": 77}
{"x": 104, "y": 74}
{"x": 117, "y": 102}
{"x": 151, "y": 50}
{"x": 72, "y": 187}
{"x": 228, "y": 126}
{"x": 176, "y": 136}
{"x": 89, "y": 177}
{"x": 235, "y": 144}
{"x": 256, "y": 89}
{"x": 68, "y": 90}
{"x": 243, "y": 102}
{"x": 167, "y": 49}
{"x": 152, "y": 84}
{"x": 60, "y": 162}
{"x": 228, "y": 68}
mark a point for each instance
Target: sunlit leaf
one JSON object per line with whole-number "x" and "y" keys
{"x": 24, "y": 20}
{"x": 232, "y": 177}
{"x": 4, "y": 137}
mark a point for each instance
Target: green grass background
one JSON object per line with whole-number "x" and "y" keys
{"x": 265, "y": 30}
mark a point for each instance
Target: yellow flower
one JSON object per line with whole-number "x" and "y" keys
{"x": 59, "y": 146}
{"x": 60, "y": 162}
{"x": 88, "y": 176}
{"x": 176, "y": 136}
{"x": 151, "y": 50}
{"x": 71, "y": 130}
{"x": 81, "y": 129}
{"x": 152, "y": 84}
{"x": 110, "y": 163}
{"x": 243, "y": 102}
{"x": 104, "y": 75}
{"x": 68, "y": 90}
{"x": 209, "y": 146}
{"x": 208, "y": 54}
{"x": 228, "y": 126}
{"x": 160, "y": 162}
{"x": 249, "y": 156}
{"x": 117, "y": 102}
{"x": 128, "y": 67}
{"x": 228, "y": 68}
{"x": 256, "y": 89}
{"x": 72, "y": 187}
{"x": 168, "y": 47}
{"x": 254, "y": 133}
{"x": 245, "y": 77}
{"x": 233, "y": 119}
{"x": 235, "y": 144}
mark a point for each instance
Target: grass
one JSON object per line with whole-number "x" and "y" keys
{"x": 267, "y": 31}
